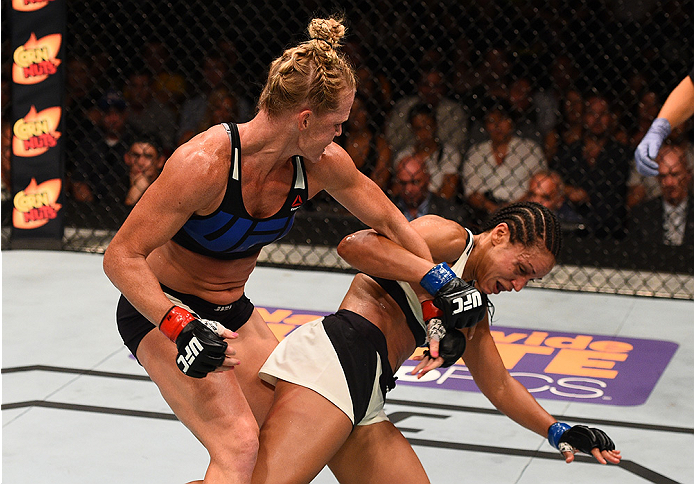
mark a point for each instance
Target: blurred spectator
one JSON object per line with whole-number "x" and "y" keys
{"x": 492, "y": 80}
{"x": 644, "y": 188}
{"x": 496, "y": 172}
{"x": 442, "y": 159}
{"x": 215, "y": 71}
{"x": 564, "y": 77}
{"x": 412, "y": 196}
{"x": 169, "y": 86}
{"x": 147, "y": 113}
{"x": 373, "y": 85}
{"x": 222, "y": 106}
{"x": 547, "y": 188}
{"x": 464, "y": 74}
{"x": 100, "y": 176}
{"x": 450, "y": 116}
{"x": 6, "y": 161}
{"x": 569, "y": 128}
{"x": 7, "y": 200}
{"x": 365, "y": 144}
{"x": 81, "y": 94}
{"x": 376, "y": 91}
{"x": 494, "y": 73}
{"x": 522, "y": 109}
{"x": 595, "y": 170}
{"x": 144, "y": 159}
{"x": 6, "y": 89}
{"x": 669, "y": 218}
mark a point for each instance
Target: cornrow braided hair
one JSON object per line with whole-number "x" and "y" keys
{"x": 529, "y": 223}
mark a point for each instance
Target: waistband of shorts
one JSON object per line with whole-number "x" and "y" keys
{"x": 374, "y": 336}
{"x": 208, "y": 310}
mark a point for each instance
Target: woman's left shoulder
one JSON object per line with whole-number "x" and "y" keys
{"x": 334, "y": 160}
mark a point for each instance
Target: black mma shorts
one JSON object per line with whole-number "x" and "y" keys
{"x": 133, "y": 326}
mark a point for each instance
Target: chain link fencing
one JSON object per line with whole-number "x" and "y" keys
{"x": 499, "y": 100}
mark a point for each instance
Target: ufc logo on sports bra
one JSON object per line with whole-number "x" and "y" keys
{"x": 193, "y": 349}
{"x": 472, "y": 300}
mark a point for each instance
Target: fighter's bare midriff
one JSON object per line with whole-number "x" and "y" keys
{"x": 214, "y": 280}
{"x": 368, "y": 299}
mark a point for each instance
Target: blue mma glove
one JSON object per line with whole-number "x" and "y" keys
{"x": 647, "y": 150}
{"x": 462, "y": 304}
{"x": 565, "y": 438}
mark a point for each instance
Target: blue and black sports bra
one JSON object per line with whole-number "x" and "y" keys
{"x": 230, "y": 232}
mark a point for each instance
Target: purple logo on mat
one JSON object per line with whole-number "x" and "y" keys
{"x": 566, "y": 366}
{"x": 560, "y": 366}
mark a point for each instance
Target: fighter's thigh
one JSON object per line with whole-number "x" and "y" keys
{"x": 209, "y": 406}
{"x": 253, "y": 346}
{"x": 301, "y": 433}
{"x": 383, "y": 454}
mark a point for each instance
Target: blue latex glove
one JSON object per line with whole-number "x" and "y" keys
{"x": 648, "y": 148}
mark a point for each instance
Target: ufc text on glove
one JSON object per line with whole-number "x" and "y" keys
{"x": 462, "y": 304}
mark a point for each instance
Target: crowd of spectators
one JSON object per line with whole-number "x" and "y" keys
{"x": 486, "y": 127}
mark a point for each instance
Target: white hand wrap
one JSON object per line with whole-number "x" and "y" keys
{"x": 435, "y": 330}
{"x": 215, "y": 326}
{"x": 566, "y": 447}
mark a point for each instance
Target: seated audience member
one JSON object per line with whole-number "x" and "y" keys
{"x": 148, "y": 114}
{"x": 412, "y": 196}
{"x": 668, "y": 220}
{"x": 492, "y": 79}
{"x": 442, "y": 159}
{"x": 366, "y": 145}
{"x": 169, "y": 86}
{"x": 221, "y": 107}
{"x": 99, "y": 172}
{"x": 524, "y": 109}
{"x": 6, "y": 160}
{"x": 450, "y": 116}
{"x": 215, "y": 74}
{"x": 496, "y": 172}
{"x": 595, "y": 170}
{"x": 569, "y": 126}
{"x": 145, "y": 159}
{"x": 547, "y": 188}
{"x": 563, "y": 76}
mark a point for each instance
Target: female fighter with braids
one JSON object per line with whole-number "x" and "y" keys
{"x": 331, "y": 375}
{"x": 182, "y": 258}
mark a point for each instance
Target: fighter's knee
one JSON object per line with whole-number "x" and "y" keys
{"x": 237, "y": 445}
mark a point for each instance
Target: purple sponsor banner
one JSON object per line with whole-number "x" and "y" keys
{"x": 555, "y": 365}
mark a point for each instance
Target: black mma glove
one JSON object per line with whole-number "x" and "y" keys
{"x": 200, "y": 348}
{"x": 462, "y": 304}
{"x": 564, "y": 438}
{"x": 451, "y": 347}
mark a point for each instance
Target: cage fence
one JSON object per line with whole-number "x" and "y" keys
{"x": 500, "y": 101}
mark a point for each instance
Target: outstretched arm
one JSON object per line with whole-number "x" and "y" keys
{"x": 513, "y": 399}
{"x": 337, "y": 174}
{"x": 678, "y": 107}
{"x": 373, "y": 254}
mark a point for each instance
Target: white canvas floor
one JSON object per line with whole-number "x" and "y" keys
{"x": 77, "y": 408}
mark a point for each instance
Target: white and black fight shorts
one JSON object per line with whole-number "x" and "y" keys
{"x": 343, "y": 357}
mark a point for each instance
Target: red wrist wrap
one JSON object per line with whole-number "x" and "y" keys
{"x": 429, "y": 311}
{"x": 174, "y": 321}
